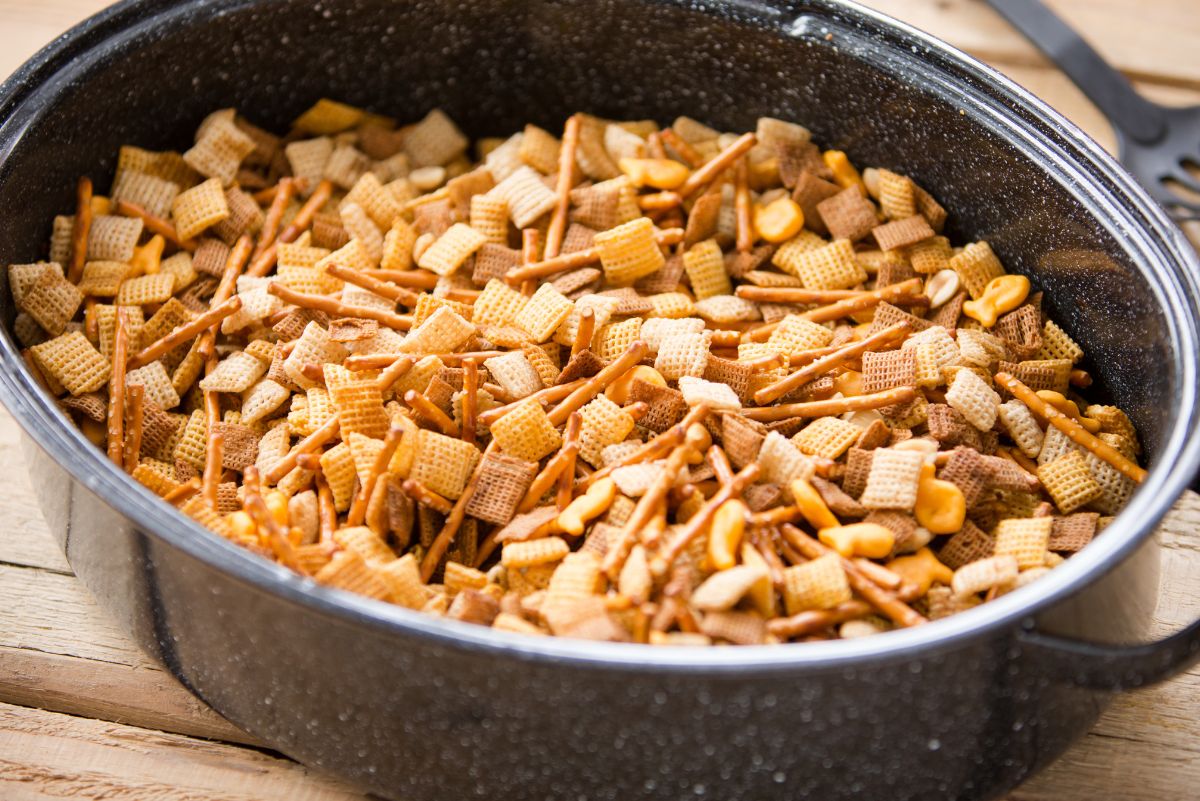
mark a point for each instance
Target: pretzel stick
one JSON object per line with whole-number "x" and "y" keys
{"x": 892, "y": 607}
{"x": 816, "y": 619}
{"x": 285, "y": 190}
{"x": 1022, "y": 461}
{"x": 327, "y": 431}
{"x": 725, "y": 339}
{"x": 235, "y": 262}
{"x": 155, "y": 225}
{"x": 358, "y": 507}
{"x": 823, "y": 408}
{"x": 529, "y": 255}
{"x": 326, "y": 511}
{"x": 441, "y": 543}
{"x": 764, "y": 542}
{"x": 788, "y": 294}
{"x": 276, "y": 534}
{"x": 700, "y": 520}
{"x": 470, "y": 399}
{"x": 719, "y": 463}
{"x": 760, "y": 333}
{"x": 826, "y": 363}
{"x": 184, "y": 491}
{"x": 414, "y": 279}
{"x": 425, "y": 496}
{"x": 681, "y": 146}
{"x": 134, "y": 412}
{"x": 874, "y": 297}
{"x": 585, "y": 331}
{"x": 426, "y": 408}
{"x": 547, "y": 395}
{"x": 741, "y": 205}
{"x": 1074, "y": 431}
{"x": 718, "y": 164}
{"x": 562, "y": 188}
{"x": 879, "y": 574}
{"x": 300, "y": 223}
{"x": 376, "y": 361}
{"x": 659, "y": 445}
{"x": 184, "y": 333}
{"x": 578, "y": 258}
{"x": 308, "y": 461}
{"x": 553, "y": 469}
{"x": 213, "y": 455}
{"x": 566, "y": 479}
{"x": 81, "y": 230}
{"x": 373, "y": 284}
{"x": 1081, "y": 379}
{"x": 596, "y": 384}
{"x": 337, "y": 309}
{"x": 116, "y": 392}
{"x": 648, "y": 507}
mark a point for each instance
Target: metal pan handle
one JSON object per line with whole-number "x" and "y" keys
{"x": 1137, "y": 118}
{"x": 1114, "y": 667}
{"x": 1117, "y": 667}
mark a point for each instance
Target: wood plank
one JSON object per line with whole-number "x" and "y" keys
{"x": 58, "y": 650}
{"x": 48, "y": 755}
{"x": 24, "y": 539}
{"x": 1155, "y": 41}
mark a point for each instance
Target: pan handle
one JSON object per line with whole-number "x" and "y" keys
{"x": 1114, "y": 667}
{"x": 1137, "y": 118}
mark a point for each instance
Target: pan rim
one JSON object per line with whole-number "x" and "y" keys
{"x": 1166, "y": 259}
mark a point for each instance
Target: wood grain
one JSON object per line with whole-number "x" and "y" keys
{"x": 114, "y": 725}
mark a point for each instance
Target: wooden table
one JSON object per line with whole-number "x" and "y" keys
{"x": 84, "y": 715}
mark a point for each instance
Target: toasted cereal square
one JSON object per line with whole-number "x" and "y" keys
{"x": 237, "y": 372}
{"x": 153, "y": 378}
{"x": 527, "y": 196}
{"x": 629, "y": 251}
{"x": 220, "y": 148}
{"x": 782, "y": 462}
{"x": 444, "y": 464}
{"x": 73, "y": 362}
{"x": 832, "y": 266}
{"x": 705, "y": 266}
{"x": 892, "y": 480}
{"x": 827, "y": 437}
{"x": 434, "y": 141}
{"x": 1025, "y": 539}
{"x": 152, "y": 193}
{"x": 503, "y": 482}
{"x": 971, "y": 397}
{"x": 1021, "y": 425}
{"x": 515, "y": 373}
{"x": 539, "y": 149}
{"x": 1056, "y": 344}
{"x": 976, "y": 266}
{"x": 52, "y": 302}
{"x": 525, "y": 432}
{"x": 337, "y": 464}
{"x": 198, "y": 209}
{"x": 604, "y": 423}
{"x": 359, "y": 406}
{"x": 263, "y": 399}
{"x": 544, "y": 313}
{"x": 1069, "y": 481}
{"x": 819, "y": 584}
{"x": 903, "y": 232}
{"x": 794, "y": 333}
{"x": 328, "y": 117}
{"x": 113, "y": 238}
{"x": 718, "y": 397}
{"x": 848, "y": 214}
{"x": 451, "y": 249}
{"x": 682, "y": 355}
{"x": 444, "y": 332}
{"x": 883, "y": 370}
{"x": 498, "y": 304}
{"x": 146, "y": 289}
